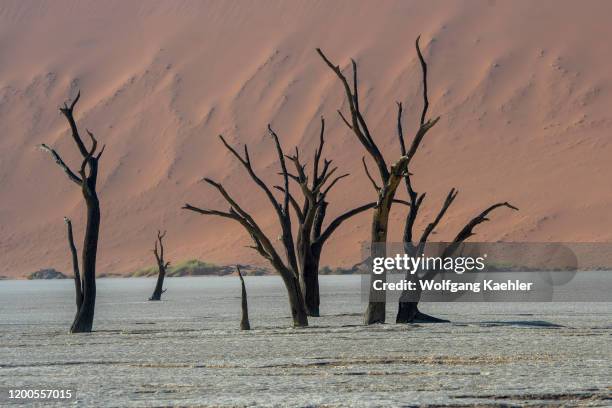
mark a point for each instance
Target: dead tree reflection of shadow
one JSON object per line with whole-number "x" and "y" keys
{"x": 523, "y": 323}
{"x": 342, "y": 315}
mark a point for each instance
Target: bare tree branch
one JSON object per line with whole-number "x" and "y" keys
{"x": 415, "y": 205}
{"x": 246, "y": 162}
{"x": 340, "y": 219}
{"x": 281, "y": 158}
{"x": 467, "y": 231}
{"x": 159, "y": 254}
{"x": 209, "y": 212}
{"x": 294, "y": 203}
{"x": 365, "y": 167}
{"x": 400, "y": 130}
{"x": 425, "y": 125}
{"x": 67, "y": 111}
{"x": 334, "y": 181}
{"x": 346, "y": 122}
{"x": 100, "y": 152}
{"x": 318, "y": 152}
{"x": 432, "y": 225}
{"x": 424, "y": 70}
{"x": 71, "y": 175}
{"x": 94, "y": 143}
{"x": 358, "y": 126}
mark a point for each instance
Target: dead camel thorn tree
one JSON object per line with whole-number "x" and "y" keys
{"x": 408, "y": 311}
{"x": 288, "y": 268}
{"x": 162, "y": 266}
{"x": 86, "y": 179}
{"x": 311, "y": 236}
{"x": 390, "y": 176}
{"x": 244, "y": 321}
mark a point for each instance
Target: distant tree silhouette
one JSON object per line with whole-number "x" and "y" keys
{"x": 162, "y": 266}
{"x": 86, "y": 179}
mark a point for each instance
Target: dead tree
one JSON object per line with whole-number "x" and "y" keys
{"x": 86, "y": 179}
{"x": 288, "y": 268}
{"x": 311, "y": 236}
{"x": 390, "y": 178}
{"x": 162, "y": 266}
{"x": 244, "y": 322}
{"x": 408, "y": 311}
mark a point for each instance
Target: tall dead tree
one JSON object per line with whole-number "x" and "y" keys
{"x": 408, "y": 305}
{"x": 162, "y": 266}
{"x": 311, "y": 236}
{"x": 287, "y": 268}
{"x": 390, "y": 176}
{"x": 244, "y": 321}
{"x": 86, "y": 179}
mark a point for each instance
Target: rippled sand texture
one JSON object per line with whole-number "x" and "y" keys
{"x": 523, "y": 88}
{"x": 187, "y": 349}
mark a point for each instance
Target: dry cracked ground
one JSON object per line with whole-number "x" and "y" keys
{"x": 187, "y": 350}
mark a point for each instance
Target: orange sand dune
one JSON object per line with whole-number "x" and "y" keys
{"x": 523, "y": 89}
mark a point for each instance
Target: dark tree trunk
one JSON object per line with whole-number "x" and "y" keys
{"x": 310, "y": 280}
{"x": 308, "y": 259}
{"x": 296, "y": 300}
{"x": 159, "y": 286}
{"x": 310, "y": 242}
{"x": 244, "y": 322}
{"x": 376, "y": 310}
{"x": 310, "y": 235}
{"x": 83, "y": 321}
{"x": 408, "y": 310}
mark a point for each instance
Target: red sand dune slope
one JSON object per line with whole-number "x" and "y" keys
{"x": 523, "y": 88}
